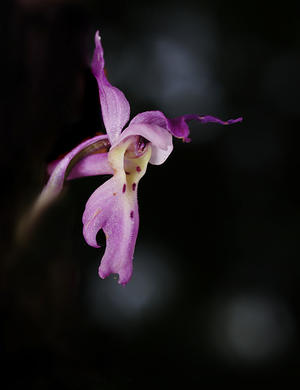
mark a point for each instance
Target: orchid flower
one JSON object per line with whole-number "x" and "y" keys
{"x": 123, "y": 153}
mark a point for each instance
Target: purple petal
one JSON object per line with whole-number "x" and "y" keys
{"x": 114, "y": 105}
{"x": 178, "y": 126}
{"x": 77, "y": 164}
{"x": 91, "y": 165}
{"x": 113, "y": 208}
{"x": 64, "y": 167}
{"x": 151, "y": 118}
{"x": 116, "y": 212}
{"x": 161, "y": 140}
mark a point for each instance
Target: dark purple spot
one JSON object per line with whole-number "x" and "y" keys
{"x": 133, "y": 186}
{"x": 127, "y": 173}
{"x": 124, "y": 188}
{"x": 131, "y": 214}
{"x": 138, "y": 169}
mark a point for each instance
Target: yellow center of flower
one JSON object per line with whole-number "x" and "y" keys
{"x": 129, "y": 163}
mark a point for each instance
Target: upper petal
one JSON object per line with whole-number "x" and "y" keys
{"x": 151, "y": 118}
{"x": 156, "y": 118}
{"x": 114, "y": 105}
{"x": 177, "y": 126}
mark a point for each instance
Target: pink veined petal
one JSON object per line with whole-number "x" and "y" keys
{"x": 91, "y": 165}
{"x": 75, "y": 163}
{"x": 114, "y": 105}
{"x": 116, "y": 212}
{"x": 151, "y": 118}
{"x": 178, "y": 126}
{"x": 63, "y": 168}
{"x": 161, "y": 140}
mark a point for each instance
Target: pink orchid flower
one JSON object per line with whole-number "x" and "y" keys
{"x": 124, "y": 153}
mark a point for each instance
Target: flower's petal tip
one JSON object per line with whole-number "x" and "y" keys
{"x": 102, "y": 274}
{"x": 90, "y": 236}
{"x": 212, "y": 119}
{"x": 97, "y": 64}
{"x": 231, "y": 121}
{"x": 186, "y": 140}
{"x": 97, "y": 39}
{"x": 123, "y": 275}
{"x": 93, "y": 244}
{"x": 123, "y": 281}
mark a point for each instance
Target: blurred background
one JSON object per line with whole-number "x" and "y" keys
{"x": 215, "y": 290}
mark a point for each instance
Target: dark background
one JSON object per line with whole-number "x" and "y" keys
{"x": 215, "y": 291}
